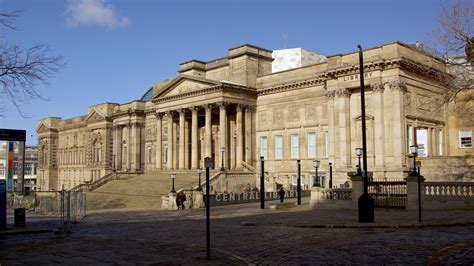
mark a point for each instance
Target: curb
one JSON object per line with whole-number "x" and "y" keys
{"x": 12, "y": 232}
{"x": 339, "y": 226}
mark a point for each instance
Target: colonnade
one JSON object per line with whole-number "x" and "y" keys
{"x": 229, "y": 138}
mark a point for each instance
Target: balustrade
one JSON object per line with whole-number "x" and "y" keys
{"x": 449, "y": 189}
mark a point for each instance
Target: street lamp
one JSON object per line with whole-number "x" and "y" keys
{"x": 316, "y": 164}
{"x": 414, "y": 153}
{"x": 359, "y": 154}
{"x": 199, "y": 173}
{"x": 222, "y": 163}
{"x": 173, "y": 177}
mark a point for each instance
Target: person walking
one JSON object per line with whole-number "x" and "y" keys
{"x": 183, "y": 199}
{"x": 178, "y": 200}
{"x": 281, "y": 193}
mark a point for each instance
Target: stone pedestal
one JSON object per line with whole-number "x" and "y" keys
{"x": 198, "y": 199}
{"x": 172, "y": 201}
{"x": 412, "y": 191}
{"x": 357, "y": 189}
{"x": 315, "y": 198}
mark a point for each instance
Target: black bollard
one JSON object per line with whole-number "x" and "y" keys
{"x": 298, "y": 185}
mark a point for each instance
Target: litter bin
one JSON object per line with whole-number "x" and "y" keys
{"x": 20, "y": 214}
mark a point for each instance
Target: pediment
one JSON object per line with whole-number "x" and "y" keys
{"x": 185, "y": 84}
{"x": 42, "y": 128}
{"x": 95, "y": 116}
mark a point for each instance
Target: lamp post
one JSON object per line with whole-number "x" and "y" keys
{"x": 298, "y": 186}
{"x": 365, "y": 201}
{"x": 316, "y": 164}
{"x": 414, "y": 153}
{"x": 330, "y": 175}
{"x": 222, "y": 157}
{"x": 173, "y": 177}
{"x": 359, "y": 154}
{"x": 199, "y": 170}
{"x": 262, "y": 182}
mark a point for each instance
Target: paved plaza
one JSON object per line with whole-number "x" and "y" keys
{"x": 245, "y": 234}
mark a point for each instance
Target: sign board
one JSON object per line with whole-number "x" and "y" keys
{"x": 208, "y": 162}
{"x": 12, "y": 134}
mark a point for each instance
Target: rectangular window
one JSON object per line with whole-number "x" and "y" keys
{"x": 278, "y": 147}
{"x": 465, "y": 139}
{"x": 409, "y": 137}
{"x": 326, "y": 142}
{"x": 422, "y": 141}
{"x": 295, "y": 146}
{"x": 312, "y": 145}
{"x": 149, "y": 155}
{"x": 264, "y": 147}
{"x": 440, "y": 142}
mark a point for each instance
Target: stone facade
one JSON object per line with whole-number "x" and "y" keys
{"x": 237, "y": 108}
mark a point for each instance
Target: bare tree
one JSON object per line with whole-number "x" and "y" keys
{"x": 22, "y": 70}
{"x": 453, "y": 41}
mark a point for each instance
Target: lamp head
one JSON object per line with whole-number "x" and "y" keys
{"x": 222, "y": 149}
{"x": 199, "y": 170}
{"x": 358, "y": 152}
{"x": 316, "y": 163}
{"x": 414, "y": 149}
{"x": 173, "y": 176}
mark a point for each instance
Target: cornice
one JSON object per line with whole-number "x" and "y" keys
{"x": 237, "y": 88}
{"x": 381, "y": 64}
{"x": 425, "y": 119}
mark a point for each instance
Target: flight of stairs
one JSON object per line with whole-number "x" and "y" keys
{"x": 141, "y": 192}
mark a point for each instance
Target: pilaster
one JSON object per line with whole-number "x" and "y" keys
{"x": 159, "y": 141}
{"x": 240, "y": 136}
{"x": 377, "y": 100}
{"x": 343, "y": 101}
{"x": 194, "y": 138}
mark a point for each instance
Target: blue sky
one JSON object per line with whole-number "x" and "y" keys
{"x": 115, "y": 49}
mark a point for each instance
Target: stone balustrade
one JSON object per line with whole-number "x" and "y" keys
{"x": 449, "y": 189}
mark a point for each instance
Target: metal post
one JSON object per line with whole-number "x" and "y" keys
{"x": 208, "y": 220}
{"x": 172, "y": 188}
{"x": 419, "y": 198}
{"x": 366, "y": 203}
{"x": 68, "y": 211}
{"x": 222, "y": 159}
{"x": 298, "y": 185}
{"x": 262, "y": 182}
{"x": 330, "y": 175}
{"x": 3, "y": 204}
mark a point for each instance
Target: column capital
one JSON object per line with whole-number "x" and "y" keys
{"x": 159, "y": 115}
{"x": 222, "y": 105}
{"x": 397, "y": 85}
{"x": 343, "y": 93}
{"x": 208, "y": 106}
{"x": 377, "y": 87}
{"x": 330, "y": 94}
{"x": 241, "y": 107}
{"x": 181, "y": 111}
{"x": 195, "y": 109}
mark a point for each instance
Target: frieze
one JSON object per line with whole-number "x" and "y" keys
{"x": 294, "y": 113}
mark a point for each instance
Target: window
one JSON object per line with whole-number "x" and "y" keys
{"x": 440, "y": 142}
{"x": 149, "y": 155}
{"x": 278, "y": 147}
{"x": 295, "y": 146}
{"x": 465, "y": 139}
{"x": 326, "y": 141}
{"x": 264, "y": 147}
{"x": 312, "y": 145}
{"x": 409, "y": 137}
{"x": 165, "y": 153}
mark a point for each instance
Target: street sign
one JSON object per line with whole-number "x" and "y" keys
{"x": 208, "y": 162}
{"x": 12, "y": 134}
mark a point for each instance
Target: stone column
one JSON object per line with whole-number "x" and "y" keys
{"x": 397, "y": 89}
{"x": 248, "y": 134}
{"x": 240, "y": 137}
{"x": 377, "y": 101}
{"x": 223, "y": 132}
{"x": 181, "y": 139}
{"x": 135, "y": 147}
{"x": 175, "y": 144}
{"x": 169, "y": 160}
{"x": 208, "y": 136}
{"x": 194, "y": 138}
{"x": 345, "y": 151}
{"x": 187, "y": 129}
{"x": 331, "y": 126}
{"x": 159, "y": 143}
{"x": 129, "y": 146}
{"x": 118, "y": 159}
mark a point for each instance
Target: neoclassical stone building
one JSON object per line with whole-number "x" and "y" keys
{"x": 237, "y": 108}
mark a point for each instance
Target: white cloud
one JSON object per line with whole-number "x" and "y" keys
{"x": 93, "y": 12}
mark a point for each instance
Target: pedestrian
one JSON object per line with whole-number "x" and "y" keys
{"x": 281, "y": 193}
{"x": 178, "y": 200}
{"x": 183, "y": 199}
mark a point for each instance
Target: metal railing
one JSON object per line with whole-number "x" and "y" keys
{"x": 388, "y": 193}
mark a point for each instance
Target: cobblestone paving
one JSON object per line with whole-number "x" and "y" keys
{"x": 244, "y": 234}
